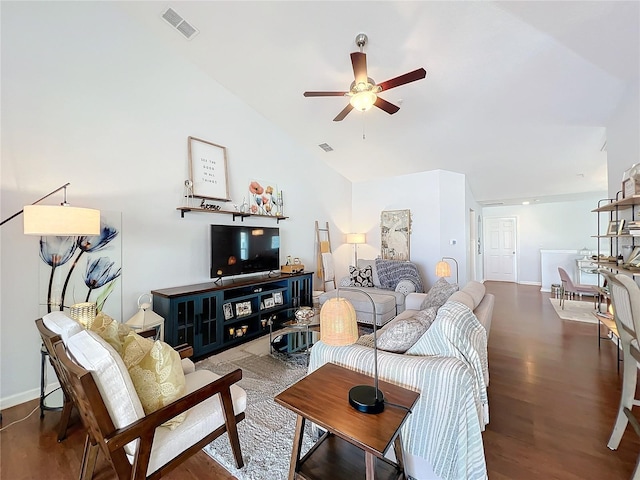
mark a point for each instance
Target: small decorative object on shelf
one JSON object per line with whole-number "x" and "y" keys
{"x": 631, "y": 181}
{"x": 188, "y": 192}
{"x": 304, "y": 314}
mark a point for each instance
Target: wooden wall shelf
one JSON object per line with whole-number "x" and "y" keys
{"x": 235, "y": 215}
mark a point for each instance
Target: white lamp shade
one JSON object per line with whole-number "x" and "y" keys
{"x": 60, "y": 220}
{"x": 357, "y": 238}
{"x": 338, "y": 324}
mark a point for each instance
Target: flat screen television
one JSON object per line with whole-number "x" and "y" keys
{"x": 237, "y": 250}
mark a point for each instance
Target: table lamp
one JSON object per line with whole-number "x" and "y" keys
{"x": 443, "y": 269}
{"x": 338, "y": 327}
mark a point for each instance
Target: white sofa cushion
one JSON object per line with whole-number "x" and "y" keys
{"x": 476, "y": 290}
{"x": 111, "y": 377}
{"x": 464, "y": 298}
{"x": 201, "y": 420}
{"x": 61, "y": 324}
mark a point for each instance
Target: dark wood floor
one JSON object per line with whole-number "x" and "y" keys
{"x": 552, "y": 395}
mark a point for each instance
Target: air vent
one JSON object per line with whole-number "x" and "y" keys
{"x": 326, "y": 147}
{"x": 180, "y": 24}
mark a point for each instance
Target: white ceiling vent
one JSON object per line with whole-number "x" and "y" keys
{"x": 326, "y": 147}
{"x": 176, "y": 21}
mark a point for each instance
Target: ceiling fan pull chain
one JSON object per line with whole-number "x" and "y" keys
{"x": 363, "y": 121}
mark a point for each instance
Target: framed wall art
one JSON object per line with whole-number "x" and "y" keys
{"x": 395, "y": 231}
{"x": 208, "y": 170}
{"x": 265, "y": 198}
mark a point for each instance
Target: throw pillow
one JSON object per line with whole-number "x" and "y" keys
{"x": 402, "y": 335}
{"x": 366, "y": 340}
{"x": 111, "y": 331}
{"x": 156, "y": 372}
{"x": 427, "y": 316}
{"x": 438, "y": 294}
{"x": 360, "y": 277}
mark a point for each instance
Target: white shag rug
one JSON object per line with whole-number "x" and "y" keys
{"x": 576, "y": 310}
{"x": 266, "y": 433}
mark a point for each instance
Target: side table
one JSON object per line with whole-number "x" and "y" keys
{"x": 43, "y": 396}
{"x": 354, "y": 441}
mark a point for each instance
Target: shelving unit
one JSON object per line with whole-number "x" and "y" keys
{"x": 235, "y": 215}
{"x": 195, "y": 314}
{"x": 613, "y": 209}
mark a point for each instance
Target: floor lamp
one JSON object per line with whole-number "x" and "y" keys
{"x": 356, "y": 239}
{"x": 62, "y": 220}
{"x": 443, "y": 269}
{"x": 339, "y": 327}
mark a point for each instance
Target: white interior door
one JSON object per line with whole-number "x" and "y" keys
{"x": 500, "y": 249}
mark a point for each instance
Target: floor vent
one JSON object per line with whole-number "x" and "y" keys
{"x": 326, "y": 147}
{"x": 174, "y": 19}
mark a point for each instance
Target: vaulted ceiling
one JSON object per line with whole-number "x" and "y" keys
{"x": 517, "y": 94}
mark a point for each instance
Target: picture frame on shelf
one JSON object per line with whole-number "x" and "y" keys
{"x": 269, "y": 302}
{"x": 277, "y": 298}
{"x": 615, "y": 227}
{"x": 243, "y": 309}
{"x": 227, "y": 309}
{"x": 208, "y": 170}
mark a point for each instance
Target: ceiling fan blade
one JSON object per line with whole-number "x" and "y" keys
{"x": 324, "y": 94}
{"x": 345, "y": 111}
{"x": 359, "y": 62}
{"x": 382, "y": 104}
{"x": 418, "y": 74}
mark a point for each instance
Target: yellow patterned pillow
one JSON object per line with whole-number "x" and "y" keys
{"x": 111, "y": 331}
{"x": 156, "y": 372}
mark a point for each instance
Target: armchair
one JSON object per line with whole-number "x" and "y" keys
{"x": 135, "y": 444}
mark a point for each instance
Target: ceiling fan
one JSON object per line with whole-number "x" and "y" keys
{"x": 363, "y": 93}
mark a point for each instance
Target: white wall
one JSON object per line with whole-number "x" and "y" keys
{"x": 623, "y": 139}
{"x": 549, "y": 226}
{"x": 437, "y": 204}
{"x": 111, "y": 114}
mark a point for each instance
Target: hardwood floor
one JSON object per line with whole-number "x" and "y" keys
{"x": 553, "y": 397}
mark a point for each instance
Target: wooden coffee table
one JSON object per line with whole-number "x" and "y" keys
{"x": 354, "y": 442}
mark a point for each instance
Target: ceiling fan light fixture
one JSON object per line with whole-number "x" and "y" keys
{"x": 363, "y": 101}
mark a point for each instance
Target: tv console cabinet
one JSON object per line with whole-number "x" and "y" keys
{"x": 212, "y": 317}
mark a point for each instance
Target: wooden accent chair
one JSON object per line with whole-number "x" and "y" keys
{"x": 625, "y": 296}
{"x": 64, "y": 328}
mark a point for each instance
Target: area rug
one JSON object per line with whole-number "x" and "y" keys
{"x": 575, "y": 310}
{"x": 266, "y": 433}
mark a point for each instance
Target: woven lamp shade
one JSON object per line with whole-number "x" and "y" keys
{"x": 338, "y": 326}
{"x": 83, "y": 313}
{"x": 443, "y": 269}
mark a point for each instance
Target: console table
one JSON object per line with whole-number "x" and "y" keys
{"x": 212, "y": 317}
{"x": 354, "y": 441}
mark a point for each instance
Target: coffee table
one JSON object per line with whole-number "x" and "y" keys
{"x": 354, "y": 441}
{"x": 295, "y": 337}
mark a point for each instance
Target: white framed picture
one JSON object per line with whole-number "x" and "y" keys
{"x": 277, "y": 298}
{"x": 269, "y": 302}
{"x": 227, "y": 308}
{"x": 243, "y": 309}
{"x": 208, "y": 170}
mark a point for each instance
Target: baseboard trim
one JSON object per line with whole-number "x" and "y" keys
{"x": 18, "y": 398}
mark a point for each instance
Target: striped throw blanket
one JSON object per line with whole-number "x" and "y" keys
{"x": 457, "y": 332}
{"x": 443, "y": 427}
{"x": 391, "y": 272}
